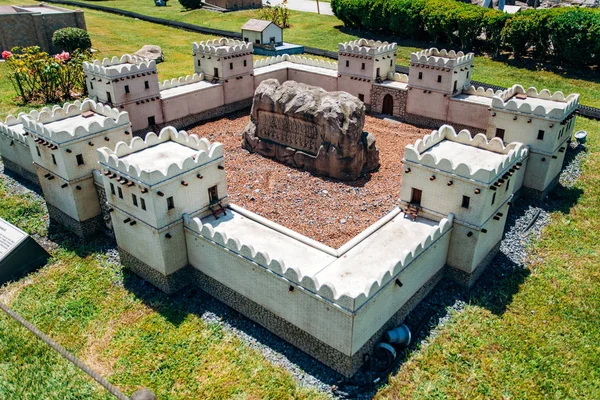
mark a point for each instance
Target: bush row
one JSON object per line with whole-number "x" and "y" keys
{"x": 569, "y": 35}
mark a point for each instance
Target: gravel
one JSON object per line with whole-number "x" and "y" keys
{"x": 308, "y": 204}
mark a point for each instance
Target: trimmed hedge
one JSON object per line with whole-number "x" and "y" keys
{"x": 71, "y": 39}
{"x": 568, "y": 35}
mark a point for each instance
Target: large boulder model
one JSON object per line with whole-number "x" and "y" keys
{"x": 307, "y": 127}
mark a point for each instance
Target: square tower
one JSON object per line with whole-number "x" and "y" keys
{"x": 435, "y": 76}
{"x": 362, "y": 62}
{"x": 470, "y": 177}
{"x": 149, "y": 185}
{"x": 63, "y": 143}
{"x": 544, "y": 122}
{"x": 129, "y": 83}
{"x": 228, "y": 62}
{"x": 14, "y": 149}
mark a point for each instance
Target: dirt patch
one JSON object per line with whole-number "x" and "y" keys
{"x": 329, "y": 211}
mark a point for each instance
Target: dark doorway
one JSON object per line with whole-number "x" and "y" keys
{"x": 216, "y": 75}
{"x": 213, "y": 195}
{"x": 415, "y": 197}
{"x": 388, "y": 105}
{"x": 108, "y": 97}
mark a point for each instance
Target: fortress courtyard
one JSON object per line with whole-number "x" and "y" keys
{"x": 329, "y": 211}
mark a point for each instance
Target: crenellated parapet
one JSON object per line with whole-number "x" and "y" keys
{"x": 364, "y": 47}
{"x": 330, "y": 291}
{"x": 120, "y": 66}
{"x": 375, "y": 284}
{"x": 223, "y": 47}
{"x": 481, "y": 91}
{"x": 397, "y": 77}
{"x": 418, "y": 153}
{"x": 441, "y": 58}
{"x": 204, "y": 152}
{"x": 296, "y": 60}
{"x": 543, "y": 104}
{"x": 36, "y": 122}
{"x": 12, "y": 127}
{"x": 181, "y": 81}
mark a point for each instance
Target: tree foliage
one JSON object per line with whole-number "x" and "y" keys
{"x": 71, "y": 39}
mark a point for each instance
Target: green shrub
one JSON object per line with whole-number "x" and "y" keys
{"x": 469, "y": 21}
{"x": 440, "y": 19}
{"x": 39, "y": 77}
{"x": 191, "y": 4}
{"x": 493, "y": 23}
{"x": 575, "y": 37}
{"x": 404, "y": 17}
{"x": 71, "y": 39}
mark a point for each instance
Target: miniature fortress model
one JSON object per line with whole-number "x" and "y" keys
{"x": 166, "y": 195}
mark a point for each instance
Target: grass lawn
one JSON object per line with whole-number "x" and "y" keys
{"x": 545, "y": 344}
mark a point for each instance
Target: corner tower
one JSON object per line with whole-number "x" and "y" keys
{"x": 150, "y": 183}
{"x": 362, "y": 62}
{"x": 128, "y": 83}
{"x": 63, "y": 143}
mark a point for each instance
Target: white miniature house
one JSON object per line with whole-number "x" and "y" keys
{"x": 262, "y": 33}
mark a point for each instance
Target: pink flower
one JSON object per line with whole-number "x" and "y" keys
{"x": 64, "y": 56}
{"x": 6, "y": 54}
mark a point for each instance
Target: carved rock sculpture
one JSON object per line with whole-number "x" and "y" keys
{"x": 307, "y": 127}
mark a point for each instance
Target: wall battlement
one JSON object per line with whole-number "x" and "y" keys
{"x": 326, "y": 290}
{"x": 506, "y": 100}
{"x": 204, "y": 152}
{"x": 296, "y": 60}
{"x": 441, "y": 58}
{"x": 222, "y": 47}
{"x": 35, "y": 122}
{"x": 181, "y": 81}
{"x": 481, "y": 91}
{"x": 418, "y": 153}
{"x": 397, "y": 77}
{"x": 8, "y": 128}
{"x": 116, "y": 67}
{"x": 366, "y": 47}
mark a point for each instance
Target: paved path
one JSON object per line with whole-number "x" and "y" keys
{"x": 305, "y": 5}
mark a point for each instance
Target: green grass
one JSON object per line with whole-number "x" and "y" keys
{"x": 546, "y": 343}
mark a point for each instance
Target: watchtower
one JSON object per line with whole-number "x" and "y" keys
{"x": 150, "y": 183}
{"x": 470, "y": 177}
{"x": 63, "y": 143}
{"x": 362, "y": 62}
{"x": 128, "y": 83}
{"x": 228, "y": 62}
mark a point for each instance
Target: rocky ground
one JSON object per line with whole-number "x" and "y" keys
{"x": 331, "y": 212}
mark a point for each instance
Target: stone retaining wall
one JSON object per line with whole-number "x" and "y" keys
{"x": 85, "y": 229}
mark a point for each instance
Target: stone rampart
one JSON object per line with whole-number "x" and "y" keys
{"x": 481, "y": 91}
{"x": 366, "y": 47}
{"x": 7, "y": 128}
{"x": 205, "y": 152}
{"x": 513, "y": 151}
{"x": 314, "y": 62}
{"x": 35, "y": 121}
{"x": 222, "y": 47}
{"x": 181, "y": 81}
{"x": 128, "y": 65}
{"x": 441, "y": 58}
{"x": 397, "y": 77}
{"x": 504, "y": 101}
{"x": 325, "y": 290}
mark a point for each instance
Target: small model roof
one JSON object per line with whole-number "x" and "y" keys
{"x": 256, "y": 25}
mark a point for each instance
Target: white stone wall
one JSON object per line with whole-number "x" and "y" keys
{"x": 356, "y": 88}
{"x": 13, "y": 145}
{"x": 429, "y": 104}
{"x": 470, "y": 114}
{"x": 195, "y": 102}
{"x": 329, "y": 83}
{"x": 229, "y": 57}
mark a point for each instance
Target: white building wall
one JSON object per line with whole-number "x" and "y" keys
{"x": 355, "y": 88}
{"x": 329, "y": 83}
{"x": 18, "y": 152}
{"x": 193, "y": 103}
{"x": 272, "y": 31}
{"x": 317, "y": 317}
{"x": 391, "y": 298}
{"x": 433, "y": 105}
{"x": 252, "y": 37}
{"x": 470, "y": 114}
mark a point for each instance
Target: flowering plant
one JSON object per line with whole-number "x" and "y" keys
{"x": 40, "y": 77}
